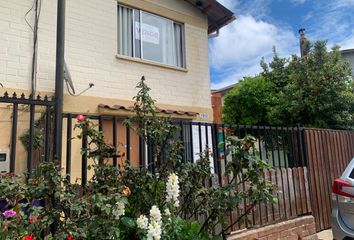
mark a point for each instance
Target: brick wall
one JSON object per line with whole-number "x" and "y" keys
{"x": 91, "y": 47}
{"x": 295, "y": 229}
{"x": 216, "y": 104}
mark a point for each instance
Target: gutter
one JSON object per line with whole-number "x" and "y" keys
{"x": 214, "y": 35}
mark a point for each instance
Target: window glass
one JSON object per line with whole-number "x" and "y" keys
{"x": 125, "y": 31}
{"x": 157, "y": 36}
{"x": 151, "y": 37}
{"x": 137, "y": 45}
{"x": 352, "y": 174}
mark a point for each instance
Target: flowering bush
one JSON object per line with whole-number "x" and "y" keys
{"x": 160, "y": 201}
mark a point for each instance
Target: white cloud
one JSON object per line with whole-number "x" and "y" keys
{"x": 238, "y": 50}
{"x": 246, "y": 39}
{"x": 333, "y": 21}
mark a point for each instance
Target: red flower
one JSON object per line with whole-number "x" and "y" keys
{"x": 81, "y": 118}
{"x": 33, "y": 219}
{"x": 249, "y": 206}
{"x": 28, "y": 237}
{"x": 71, "y": 238}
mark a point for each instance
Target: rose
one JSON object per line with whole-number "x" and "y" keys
{"x": 81, "y": 117}
{"x": 28, "y": 237}
{"x": 9, "y": 213}
{"x": 71, "y": 238}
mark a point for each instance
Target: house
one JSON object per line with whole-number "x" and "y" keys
{"x": 348, "y": 55}
{"x": 111, "y": 45}
{"x": 217, "y": 100}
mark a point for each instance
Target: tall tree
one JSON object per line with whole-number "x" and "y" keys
{"x": 314, "y": 91}
{"x": 248, "y": 102}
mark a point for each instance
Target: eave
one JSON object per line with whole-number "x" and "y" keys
{"x": 218, "y": 15}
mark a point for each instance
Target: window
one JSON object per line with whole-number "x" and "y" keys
{"x": 150, "y": 37}
{"x": 352, "y": 174}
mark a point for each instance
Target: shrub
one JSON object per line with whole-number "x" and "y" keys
{"x": 159, "y": 201}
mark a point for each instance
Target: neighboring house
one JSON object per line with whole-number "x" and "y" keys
{"x": 217, "y": 100}
{"x": 112, "y": 44}
{"x": 348, "y": 55}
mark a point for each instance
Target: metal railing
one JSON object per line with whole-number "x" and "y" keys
{"x": 281, "y": 147}
{"x": 29, "y": 104}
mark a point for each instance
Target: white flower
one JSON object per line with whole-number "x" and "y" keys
{"x": 172, "y": 189}
{"x": 154, "y": 231}
{"x": 168, "y": 214}
{"x": 155, "y": 214}
{"x": 142, "y": 222}
{"x": 118, "y": 210}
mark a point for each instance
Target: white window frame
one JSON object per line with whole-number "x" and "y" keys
{"x": 140, "y": 12}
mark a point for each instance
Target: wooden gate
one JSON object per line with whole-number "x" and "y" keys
{"x": 328, "y": 153}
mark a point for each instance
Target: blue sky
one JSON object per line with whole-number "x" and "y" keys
{"x": 262, "y": 24}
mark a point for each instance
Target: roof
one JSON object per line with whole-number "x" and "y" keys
{"x": 218, "y": 15}
{"x": 224, "y": 89}
{"x": 129, "y": 110}
{"x": 347, "y": 51}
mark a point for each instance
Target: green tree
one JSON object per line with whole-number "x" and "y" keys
{"x": 314, "y": 91}
{"x": 320, "y": 89}
{"x": 249, "y": 102}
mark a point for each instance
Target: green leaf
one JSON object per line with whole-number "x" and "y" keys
{"x": 128, "y": 222}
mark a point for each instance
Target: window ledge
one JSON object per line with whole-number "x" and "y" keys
{"x": 152, "y": 63}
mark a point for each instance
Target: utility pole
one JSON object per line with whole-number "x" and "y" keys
{"x": 59, "y": 81}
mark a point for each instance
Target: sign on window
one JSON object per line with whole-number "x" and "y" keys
{"x": 149, "y": 33}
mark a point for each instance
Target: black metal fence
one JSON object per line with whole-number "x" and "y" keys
{"x": 282, "y": 147}
{"x": 33, "y": 140}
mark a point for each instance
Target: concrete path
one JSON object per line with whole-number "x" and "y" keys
{"x": 325, "y": 235}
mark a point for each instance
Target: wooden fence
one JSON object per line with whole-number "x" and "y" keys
{"x": 328, "y": 153}
{"x": 293, "y": 198}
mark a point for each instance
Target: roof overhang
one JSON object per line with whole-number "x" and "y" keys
{"x": 119, "y": 110}
{"x": 224, "y": 89}
{"x": 218, "y": 15}
{"x": 347, "y": 51}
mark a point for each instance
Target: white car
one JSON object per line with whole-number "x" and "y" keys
{"x": 343, "y": 205}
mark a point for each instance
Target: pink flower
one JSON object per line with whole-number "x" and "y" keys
{"x": 9, "y": 214}
{"x": 81, "y": 118}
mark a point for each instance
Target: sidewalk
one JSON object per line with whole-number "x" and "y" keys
{"x": 325, "y": 235}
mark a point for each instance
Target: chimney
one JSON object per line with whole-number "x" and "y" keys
{"x": 304, "y": 43}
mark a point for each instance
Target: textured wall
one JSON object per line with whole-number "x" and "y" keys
{"x": 91, "y": 46}
{"x": 350, "y": 58}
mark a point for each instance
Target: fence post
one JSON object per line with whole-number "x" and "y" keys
{"x": 59, "y": 80}
{"x": 68, "y": 146}
{"x": 301, "y": 147}
{"x": 13, "y": 137}
{"x": 31, "y": 141}
{"x": 84, "y": 159}
{"x": 215, "y": 140}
